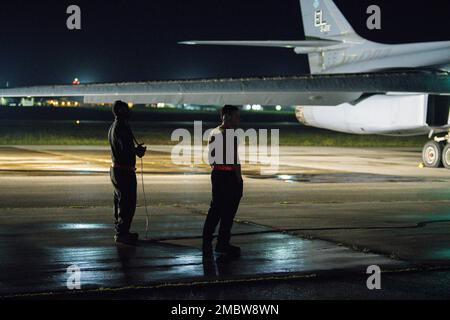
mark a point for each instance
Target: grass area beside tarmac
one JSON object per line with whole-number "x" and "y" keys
{"x": 81, "y": 126}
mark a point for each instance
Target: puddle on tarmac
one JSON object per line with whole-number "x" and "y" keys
{"x": 337, "y": 178}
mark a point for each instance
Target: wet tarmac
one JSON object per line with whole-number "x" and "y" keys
{"x": 55, "y": 212}
{"x": 337, "y": 178}
{"x": 38, "y": 253}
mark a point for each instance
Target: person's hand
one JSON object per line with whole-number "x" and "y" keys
{"x": 239, "y": 177}
{"x": 241, "y": 187}
{"x": 140, "y": 150}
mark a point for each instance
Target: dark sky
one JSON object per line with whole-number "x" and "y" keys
{"x": 126, "y": 40}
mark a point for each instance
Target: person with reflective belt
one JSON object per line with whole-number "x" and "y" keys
{"x": 123, "y": 172}
{"x": 227, "y": 183}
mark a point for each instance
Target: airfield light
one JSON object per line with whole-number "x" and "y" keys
{"x": 278, "y": 108}
{"x": 77, "y": 122}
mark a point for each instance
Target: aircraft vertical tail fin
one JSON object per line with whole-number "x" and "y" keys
{"x": 327, "y": 31}
{"x": 323, "y": 19}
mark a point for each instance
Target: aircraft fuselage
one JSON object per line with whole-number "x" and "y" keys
{"x": 369, "y": 56}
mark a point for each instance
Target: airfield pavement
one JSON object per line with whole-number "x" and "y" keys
{"x": 308, "y": 231}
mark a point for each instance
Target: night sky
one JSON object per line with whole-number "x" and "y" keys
{"x": 126, "y": 40}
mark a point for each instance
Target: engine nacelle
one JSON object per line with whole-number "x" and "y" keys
{"x": 389, "y": 114}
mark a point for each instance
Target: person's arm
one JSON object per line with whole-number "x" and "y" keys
{"x": 139, "y": 149}
{"x": 239, "y": 174}
{"x": 124, "y": 145}
{"x": 237, "y": 160}
{"x": 126, "y": 141}
{"x": 211, "y": 151}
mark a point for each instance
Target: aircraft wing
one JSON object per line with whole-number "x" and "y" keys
{"x": 300, "y": 90}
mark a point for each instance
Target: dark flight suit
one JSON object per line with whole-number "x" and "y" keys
{"x": 123, "y": 174}
{"x": 227, "y": 190}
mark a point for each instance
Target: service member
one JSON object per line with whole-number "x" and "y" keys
{"x": 123, "y": 172}
{"x": 227, "y": 183}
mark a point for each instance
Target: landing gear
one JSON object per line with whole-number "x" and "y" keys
{"x": 446, "y": 156}
{"x": 436, "y": 152}
{"x": 432, "y": 154}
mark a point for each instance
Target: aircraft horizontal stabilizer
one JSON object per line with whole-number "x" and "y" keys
{"x": 309, "y": 45}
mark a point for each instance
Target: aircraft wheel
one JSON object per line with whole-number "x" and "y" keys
{"x": 432, "y": 154}
{"x": 446, "y": 156}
